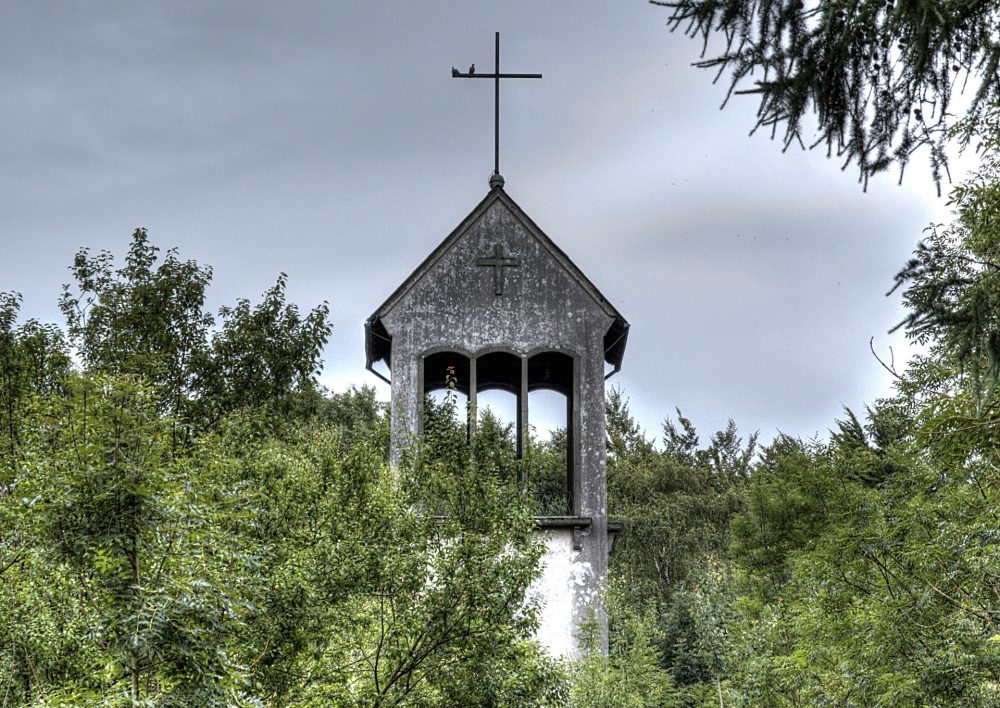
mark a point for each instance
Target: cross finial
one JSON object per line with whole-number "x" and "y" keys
{"x": 495, "y": 180}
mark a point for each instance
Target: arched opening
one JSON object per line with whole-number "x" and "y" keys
{"x": 443, "y": 370}
{"x": 548, "y": 414}
{"x": 446, "y": 378}
{"x": 500, "y": 407}
{"x": 547, "y": 462}
{"x": 550, "y": 387}
{"x": 518, "y": 413}
{"x": 498, "y": 402}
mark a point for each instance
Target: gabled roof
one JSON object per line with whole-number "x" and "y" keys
{"x": 378, "y": 341}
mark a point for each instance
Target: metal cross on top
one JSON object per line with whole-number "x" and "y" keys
{"x": 496, "y": 180}
{"x": 498, "y": 262}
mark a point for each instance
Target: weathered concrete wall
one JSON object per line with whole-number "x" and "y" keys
{"x": 567, "y": 588}
{"x": 454, "y": 306}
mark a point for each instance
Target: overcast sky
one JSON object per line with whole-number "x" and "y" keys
{"x": 329, "y": 141}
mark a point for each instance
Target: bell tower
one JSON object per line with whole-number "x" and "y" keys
{"x": 498, "y": 306}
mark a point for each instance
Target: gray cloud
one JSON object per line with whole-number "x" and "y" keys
{"x": 327, "y": 140}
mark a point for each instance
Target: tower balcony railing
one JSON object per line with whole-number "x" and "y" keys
{"x": 540, "y": 504}
{"x": 548, "y": 503}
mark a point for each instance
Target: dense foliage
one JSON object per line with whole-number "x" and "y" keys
{"x": 860, "y": 570}
{"x": 186, "y": 518}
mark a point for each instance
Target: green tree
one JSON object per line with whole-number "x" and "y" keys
{"x": 631, "y": 674}
{"x": 952, "y": 289}
{"x": 265, "y": 355}
{"x": 118, "y": 542}
{"x": 190, "y": 520}
{"x": 432, "y": 562}
{"x": 675, "y": 504}
{"x": 865, "y": 576}
{"x": 877, "y": 76}
{"x": 147, "y": 319}
{"x": 783, "y": 509}
{"x": 544, "y": 470}
{"x": 143, "y": 320}
{"x": 355, "y": 412}
{"x": 33, "y": 360}
{"x": 865, "y": 568}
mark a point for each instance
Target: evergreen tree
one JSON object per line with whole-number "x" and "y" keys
{"x": 877, "y": 76}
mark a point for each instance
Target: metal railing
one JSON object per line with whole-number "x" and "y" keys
{"x": 552, "y": 503}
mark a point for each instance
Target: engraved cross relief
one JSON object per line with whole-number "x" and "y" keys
{"x": 498, "y": 262}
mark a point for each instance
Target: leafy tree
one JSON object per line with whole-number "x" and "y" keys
{"x": 865, "y": 568}
{"x": 119, "y": 525}
{"x": 265, "y": 355}
{"x": 675, "y": 504}
{"x": 681, "y": 639}
{"x": 436, "y": 612}
{"x": 355, "y": 412}
{"x": 952, "y": 288}
{"x": 541, "y": 471}
{"x": 867, "y": 580}
{"x": 190, "y": 520}
{"x": 783, "y": 511}
{"x": 544, "y": 470}
{"x": 143, "y": 319}
{"x": 147, "y": 319}
{"x": 878, "y": 76}
{"x": 631, "y": 674}
{"x": 33, "y": 360}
